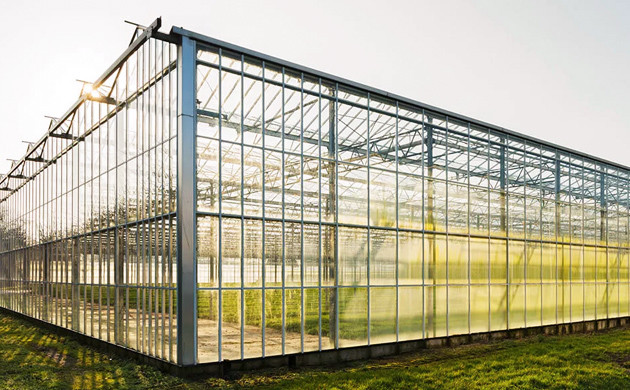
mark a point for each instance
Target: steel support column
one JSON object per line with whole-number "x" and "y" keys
{"x": 186, "y": 205}
{"x": 431, "y": 318}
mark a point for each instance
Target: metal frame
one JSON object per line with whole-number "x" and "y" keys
{"x": 88, "y": 222}
{"x": 448, "y": 179}
{"x": 186, "y": 205}
{"x": 514, "y": 172}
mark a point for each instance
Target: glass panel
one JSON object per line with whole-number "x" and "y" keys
{"x": 498, "y": 307}
{"x": 479, "y": 305}
{"x": 352, "y": 256}
{"x": 328, "y": 242}
{"x": 252, "y": 181}
{"x": 312, "y": 318}
{"x": 589, "y": 264}
{"x": 624, "y": 258}
{"x": 458, "y": 309}
{"x": 231, "y": 178}
{"x": 292, "y": 320}
{"x": 498, "y": 214}
{"x": 231, "y": 325}
{"x": 624, "y": 299}
{"x": 533, "y": 257}
{"x": 409, "y": 258}
{"x": 273, "y": 322}
{"x": 479, "y": 260}
{"x": 478, "y": 210}
{"x": 410, "y": 201}
{"x": 382, "y": 198}
{"x": 329, "y": 317}
{"x": 273, "y": 185}
{"x": 273, "y": 254}
{"x": 231, "y": 252}
{"x": 435, "y": 259}
{"x": 435, "y": 311}
{"x": 601, "y": 265}
{"x": 230, "y": 106}
{"x": 457, "y": 207}
{"x": 577, "y": 301}
{"x": 353, "y": 325}
{"x": 498, "y": 261}
{"x": 410, "y": 313}
{"x": 613, "y": 265}
{"x": 382, "y": 257}
{"x": 589, "y": 301}
{"x": 382, "y": 314}
{"x": 207, "y": 251}
{"x": 564, "y": 302}
{"x": 207, "y": 325}
{"x": 601, "y": 300}
{"x": 311, "y": 194}
{"x": 292, "y": 254}
{"x": 352, "y": 195}
{"x": 207, "y": 175}
{"x": 327, "y": 191}
{"x": 516, "y": 304}
{"x": 252, "y": 253}
{"x": 435, "y": 205}
{"x": 382, "y": 138}
{"x": 457, "y": 260}
{"x": 517, "y": 261}
{"x": 311, "y": 254}
{"x": 533, "y": 297}
{"x": 577, "y": 264}
{"x": 352, "y": 133}
{"x": 549, "y": 304}
{"x": 252, "y": 109}
{"x": 613, "y": 300}
{"x": 292, "y": 186}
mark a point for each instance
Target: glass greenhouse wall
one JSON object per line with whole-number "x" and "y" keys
{"x": 211, "y": 203}
{"x": 87, "y": 223}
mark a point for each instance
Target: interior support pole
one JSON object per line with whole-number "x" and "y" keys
{"x": 432, "y": 323}
{"x": 603, "y": 217}
{"x": 330, "y": 235}
{"x": 560, "y": 258}
{"x": 503, "y": 224}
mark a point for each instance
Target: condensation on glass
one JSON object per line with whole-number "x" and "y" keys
{"x": 327, "y": 216}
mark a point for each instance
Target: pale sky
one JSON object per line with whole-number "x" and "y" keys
{"x": 555, "y": 70}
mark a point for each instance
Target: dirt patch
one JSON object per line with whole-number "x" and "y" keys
{"x": 621, "y": 359}
{"x": 61, "y": 358}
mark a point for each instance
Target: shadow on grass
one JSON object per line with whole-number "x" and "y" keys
{"x": 31, "y": 358}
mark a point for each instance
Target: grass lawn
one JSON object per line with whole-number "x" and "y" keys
{"x": 31, "y": 358}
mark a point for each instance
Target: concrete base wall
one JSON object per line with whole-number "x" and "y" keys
{"x": 331, "y": 357}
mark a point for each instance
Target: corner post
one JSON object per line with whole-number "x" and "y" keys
{"x": 186, "y": 204}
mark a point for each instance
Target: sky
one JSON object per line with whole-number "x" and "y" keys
{"x": 554, "y": 70}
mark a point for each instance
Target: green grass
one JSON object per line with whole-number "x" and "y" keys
{"x": 31, "y": 358}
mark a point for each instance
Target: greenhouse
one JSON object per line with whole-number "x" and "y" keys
{"x": 201, "y": 202}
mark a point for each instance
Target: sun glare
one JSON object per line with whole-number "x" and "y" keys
{"x": 93, "y": 92}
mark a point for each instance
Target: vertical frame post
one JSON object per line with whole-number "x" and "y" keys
{"x": 186, "y": 204}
